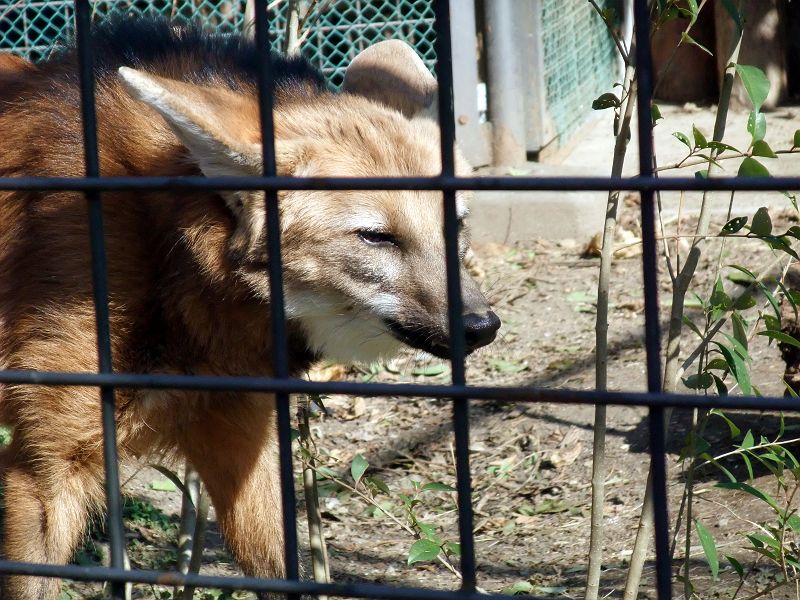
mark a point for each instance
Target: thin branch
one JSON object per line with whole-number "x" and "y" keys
{"x": 680, "y": 289}
{"x": 614, "y": 36}
{"x": 684, "y": 163}
{"x": 391, "y": 517}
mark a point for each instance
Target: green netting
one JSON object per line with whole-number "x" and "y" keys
{"x": 579, "y": 61}
{"x": 579, "y": 57}
{"x": 335, "y": 30}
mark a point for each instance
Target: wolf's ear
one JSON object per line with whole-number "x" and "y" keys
{"x": 218, "y": 126}
{"x": 391, "y": 72}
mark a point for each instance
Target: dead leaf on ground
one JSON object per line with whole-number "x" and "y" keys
{"x": 329, "y": 372}
{"x": 593, "y": 246}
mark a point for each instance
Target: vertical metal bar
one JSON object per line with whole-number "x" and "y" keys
{"x": 277, "y": 312}
{"x": 471, "y": 141}
{"x": 504, "y": 74}
{"x": 444, "y": 71}
{"x": 100, "y": 283}
{"x": 652, "y": 329}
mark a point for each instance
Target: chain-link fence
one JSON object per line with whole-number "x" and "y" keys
{"x": 580, "y": 61}
{"x": 336, "y": 31}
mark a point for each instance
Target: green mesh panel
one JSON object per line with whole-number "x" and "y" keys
{"x": 580, "y": 61}
{"x": 336, "y": 30}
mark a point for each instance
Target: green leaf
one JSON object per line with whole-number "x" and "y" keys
{"x": 711, "y": 160}
{"x": 771, "y": 323}
{"x": 749, "y": 466}
{"x": 358, "y": 467}
{"x": 699, "y": 139}
{"x": 683, "y": 138}
{"x": 773, "y": 302}
{"x": 734, "y": 226}
{"x": 453, "y": 548}
{"x": 720, "y": 147}
{"x": 749, "y": 274}
{"x": 722, "y": 389}
{"x": 717, "y": 363}
{"x": 422, "y": 550}
{"x": 715, "y": 462}
{"x": 744, "y": 302}
{"x": 762, "y": 223}
{"x": 378, "y": 484}
{"x": 761, "y": 148}
{"x": 701, "y": 174}
{"x": 163, "y": 485}
{"x": 750, "y": 167}
{"x": 796, "y": 140}
{"x": 604, "y": 101}
{"x": 784, "y": 338}
{"x": 519, "y": 588}
{"x": 430, "y": 371}
{"x": 779, "y": 243}
{"x": 735, "y": 431}
{"x": 507, "y": 366}
{"x": 687, "y": 39}
{"x": 737, "y": 368}
{"x": 655, "y": 114}
{"x": 767, "y": 541}
{"x": 699, "y": 381}
{"x": 792, "y": 198}
{"x": 437, "y": 486}
{"x": 793, "y": 521}
{"x": 709, "y": 547}
{"x": 688, "y": 322}
{"x": 755, "y": 83}
{"x": 719, "y": 299}
{"x": 738, "y": 347}
{"x": 749, "y": 489}
{"x": 733, "y": 12}
{"x": 793, "y": 231}
{"x": 739, "y": 329}
{"x": 173, "y": 477}
{"x": 789, "y": 296}
{"x": 429, "y": 532}
{"x": 694, "y": 11}
{"x": 757, "y": 125}
{"x": 748, "y": 441}
{"x": 552, "y": 590}
{"x": 737, "y": 566}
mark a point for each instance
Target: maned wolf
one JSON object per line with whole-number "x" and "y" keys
{"x": 364, "y": 271}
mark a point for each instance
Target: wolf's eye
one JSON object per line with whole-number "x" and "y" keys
{"x": 377, "y": 238}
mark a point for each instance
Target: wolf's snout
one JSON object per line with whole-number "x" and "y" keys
{"x": 480, "y": 330}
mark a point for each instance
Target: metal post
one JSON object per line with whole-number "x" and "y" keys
{"x": 506, "y": 100}
{"x": 470, "y": 132}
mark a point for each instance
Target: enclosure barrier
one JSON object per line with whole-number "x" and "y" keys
{"x": 458, "y": 392}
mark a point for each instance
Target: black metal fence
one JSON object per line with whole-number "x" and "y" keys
{"x": 459, "y": 392}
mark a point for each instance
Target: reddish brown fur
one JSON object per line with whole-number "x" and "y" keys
{"x": 178, "y": 297}
{"x": 13, "y": 70}
{"x": 196, "y": 323}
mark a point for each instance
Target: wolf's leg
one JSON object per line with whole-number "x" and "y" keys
{"x": 233, "y": 447}
{"x": 46, "y": 510}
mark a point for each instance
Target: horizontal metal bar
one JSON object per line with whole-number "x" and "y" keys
{"x": 435, "y": 183}
{"x": 283, "y": 586}
{"x": 300, "y": 386}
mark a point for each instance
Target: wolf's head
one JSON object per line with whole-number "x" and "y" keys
{"x": 364, "y": 271}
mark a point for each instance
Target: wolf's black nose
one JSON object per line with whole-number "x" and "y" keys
{"x": 480, "y": 330}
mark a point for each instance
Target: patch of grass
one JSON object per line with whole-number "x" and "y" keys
{"x": 142, "y": 514}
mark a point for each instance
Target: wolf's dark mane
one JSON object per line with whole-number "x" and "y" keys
{"x": 139, "y": 42}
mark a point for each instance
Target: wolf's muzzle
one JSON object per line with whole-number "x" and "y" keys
{"x": 479, "y": 330}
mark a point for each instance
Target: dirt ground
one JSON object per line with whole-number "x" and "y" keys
{"x": 531, "y": 463}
